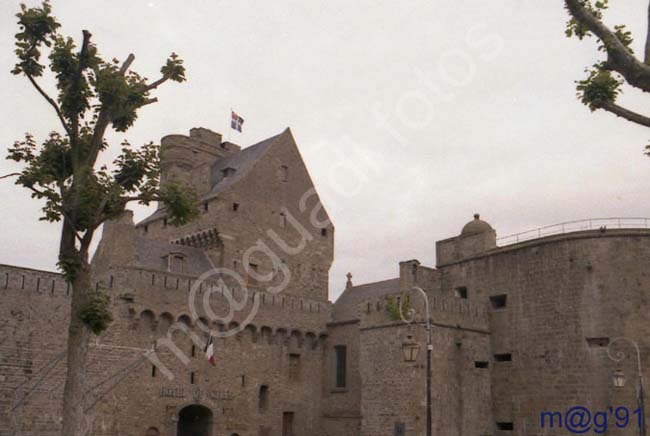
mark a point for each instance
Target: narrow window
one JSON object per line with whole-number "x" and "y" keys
{"x": 461, "y": 292}
{"x": 283, "y": 173}
{"x": 146, "y": 229}
{"x": 165, "y": 222}
{"x": 235, "y": 206}
{"x": 323, "y": 232}
{"x": 499, "y": 301}
{"x": 507, "y": 426}
{"x": 481, "y": 364}
{"x": 287, "y": 424}
{"x": 205, "y": 207}
{"x": 153, "y": 370}
{"x": 193, "y": 350}
{"x": 192, "y": 378}
{"x": 505, "y": 357}
{"x": 176, "y": 263}
{"x": 597, "y": 342}
{"x": 263, "y": 400}
{"x": 341, "y": 365}
{"x": 283, "y": 220}
{"x": 294, "y": 367}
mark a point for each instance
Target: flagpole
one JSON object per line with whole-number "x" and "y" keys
{"x": 230, "y": 125}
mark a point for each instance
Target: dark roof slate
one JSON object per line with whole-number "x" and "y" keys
{"x": 241, "y": 162}
{"x": 347, "y": 306}
{"x": 151, "y": 254}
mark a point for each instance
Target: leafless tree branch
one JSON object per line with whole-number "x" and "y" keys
{"x": 646, "y": 58}
{"x": 627, "y": 114}
{"x": 51, "y": 101}
{"x": 9, "y": 175}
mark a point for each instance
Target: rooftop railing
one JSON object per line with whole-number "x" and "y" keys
{"x": 575, "y": 226}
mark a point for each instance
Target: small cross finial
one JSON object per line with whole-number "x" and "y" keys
{"x": 349, "y": 283}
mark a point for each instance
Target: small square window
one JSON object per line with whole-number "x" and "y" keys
{"x": 499, "y": 301}
{"x": 461, "y": 292}
{"x": 235, "y": 206}
{"x": 597, "y": 342}
{"x": 507, "y": 426}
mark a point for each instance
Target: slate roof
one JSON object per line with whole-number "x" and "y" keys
{"x": 151, "y": 254}
{"x": 241, "y": 162}
{"x": 347, "y": 306}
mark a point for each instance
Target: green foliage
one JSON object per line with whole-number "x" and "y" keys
{"x": 92, "y": 94}
{"x": 182, "y": 203}
{"x": 174, "y": 69}
{"x": 598, "y": 89}
{"x": 392, "y": 306}
{"x": 36, "y": 28}
{"x": 69, "y": 266}
{"x": 96, "y": 312}
{"x": 578, "y": 29}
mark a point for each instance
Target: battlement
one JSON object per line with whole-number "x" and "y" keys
{"x": 445, "y": 311}
{"x": 33, "y": 280}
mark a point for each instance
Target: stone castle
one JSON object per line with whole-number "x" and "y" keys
{"x": 518, "y": 328}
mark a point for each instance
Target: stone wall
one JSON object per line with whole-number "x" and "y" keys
{"x": 562, "y": 293}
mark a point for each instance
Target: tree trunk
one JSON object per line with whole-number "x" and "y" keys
{"x": 74, "y": 419}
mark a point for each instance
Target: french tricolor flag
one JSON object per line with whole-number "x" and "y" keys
{"x": 209, "y": 351}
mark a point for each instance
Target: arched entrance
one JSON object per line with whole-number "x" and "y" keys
{"x": 194, "y": 420}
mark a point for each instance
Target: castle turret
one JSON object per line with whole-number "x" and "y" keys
{"x": 187, "y": 159}
{"x": 477, "y": 236}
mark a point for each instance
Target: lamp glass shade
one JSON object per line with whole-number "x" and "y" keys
{"x": 410, "y": 349}
{"x": 618, "y": 378}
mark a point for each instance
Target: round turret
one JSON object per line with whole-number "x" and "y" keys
{"x": 476, "y": 227}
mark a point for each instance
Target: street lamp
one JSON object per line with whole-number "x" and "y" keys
{"x": 618, "y": 377}
{"x": 413, "y": 351}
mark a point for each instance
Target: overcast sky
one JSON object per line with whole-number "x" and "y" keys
{"x": 411, "y": 115}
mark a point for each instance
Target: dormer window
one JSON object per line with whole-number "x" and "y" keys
{"x": 176, "y": 262}
{"x": 228, "y": 172}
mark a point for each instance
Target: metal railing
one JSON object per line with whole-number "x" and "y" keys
{"x": 575, "y": 226}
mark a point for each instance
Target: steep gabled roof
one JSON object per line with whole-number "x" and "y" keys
{"x": 347, "y": 306}
{"x": 241, "y": 162}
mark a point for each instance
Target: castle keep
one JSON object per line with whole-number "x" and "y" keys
{"x": 520, "y": 326}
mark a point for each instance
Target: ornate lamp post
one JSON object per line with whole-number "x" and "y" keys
{"x": 618, "y": 378}
{"x": 411, "y": 349}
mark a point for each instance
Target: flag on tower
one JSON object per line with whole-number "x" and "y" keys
{"x": 209, "y": 351}
{"x": 236, "y": 122}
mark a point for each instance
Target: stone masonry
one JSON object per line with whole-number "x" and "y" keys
{"x": 518, "y": 328}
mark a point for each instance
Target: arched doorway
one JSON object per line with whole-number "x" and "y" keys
{"x": 194, "y": 420}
